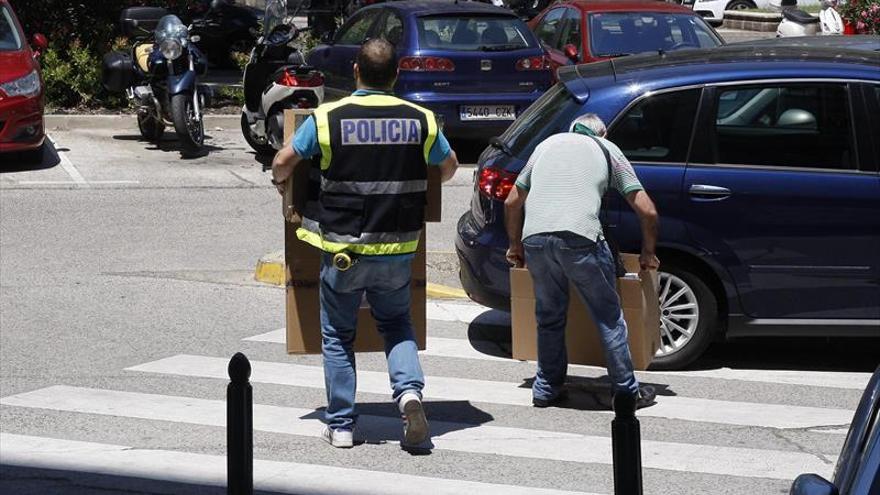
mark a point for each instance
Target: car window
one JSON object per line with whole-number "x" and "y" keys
{"x": 472, "y": 33}
{"x": 356, "y": 32}
{"x": 546, "y": 30}
{"x": 798, "y": 125}
{"x": 550, "y": 114}
{"x": 571, "y": 31}
{"x": 393, "y": 29}
{"x": 9, "y": 37}
{"x": 657, "y": 128}
{"x": 625, "y": 33}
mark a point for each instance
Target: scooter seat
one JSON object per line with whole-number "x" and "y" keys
{"x": 799, "y": 16}
{"x": 142, "y": 55}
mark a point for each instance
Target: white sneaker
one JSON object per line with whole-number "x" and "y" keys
{"x": 341, "y": 439}
{"x": 415, "y": 425}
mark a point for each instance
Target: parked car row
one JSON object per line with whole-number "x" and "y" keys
{"x": 479, "y": 66}
{"x": 763, "y": 161}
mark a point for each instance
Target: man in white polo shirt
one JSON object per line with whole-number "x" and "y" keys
{"x": 560, "y": 237}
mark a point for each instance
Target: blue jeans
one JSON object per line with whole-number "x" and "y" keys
{"x": 387, "y": 286}
{"x": 554, "y": 260}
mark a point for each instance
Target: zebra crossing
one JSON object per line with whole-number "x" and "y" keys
{"x": 763, "y": 444}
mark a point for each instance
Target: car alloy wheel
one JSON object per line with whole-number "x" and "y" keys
{"x": 679, "y": 314}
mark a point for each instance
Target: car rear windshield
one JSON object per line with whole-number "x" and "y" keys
{"x": 552, "y": 113}
{"x": 473, "y": 33}
{"x": 10, "y": 40}
{"x": 625, "y": 33}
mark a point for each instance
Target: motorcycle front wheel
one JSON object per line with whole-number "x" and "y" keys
{"x": 190, "y": 129}
{"x": 261, "y": 149}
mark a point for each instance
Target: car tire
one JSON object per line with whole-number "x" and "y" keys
{"x": 687, "y": 304}
{"x": 740, "y": 5}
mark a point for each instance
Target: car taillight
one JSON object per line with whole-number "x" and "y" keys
{"x": 533, "y": 63}
{"x": 290, "y": 78}
{"x": 495, "y": 183}
{"x": 426, "y": 64}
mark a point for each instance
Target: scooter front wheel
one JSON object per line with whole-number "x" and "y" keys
{"x": 260, "y": 148}
{"x": 190, "y": 128}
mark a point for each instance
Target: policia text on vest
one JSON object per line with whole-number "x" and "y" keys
{"x": 302, "y": 266}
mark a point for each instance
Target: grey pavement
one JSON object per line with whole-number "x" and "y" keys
{"x": 115, "y": 253}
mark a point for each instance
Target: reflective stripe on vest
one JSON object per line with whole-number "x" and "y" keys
{"x": 370, "y": 244}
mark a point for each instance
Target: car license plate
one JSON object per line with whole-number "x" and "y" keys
{"x": 487, "y": 112}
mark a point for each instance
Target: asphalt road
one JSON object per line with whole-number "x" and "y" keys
{"x": 126, "y": 283}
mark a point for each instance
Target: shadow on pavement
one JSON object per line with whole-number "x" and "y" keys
{"x": 793, "y": 353}
{"x": 170, "y": 143}
{"x": 490, "y": 334}
{"x": 21, "y": 162}
{"x": 36, "y": 481}
{"x": 443, "y": 417}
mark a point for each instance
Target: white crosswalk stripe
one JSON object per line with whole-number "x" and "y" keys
{"x": 735, "y": 461}
{"x": 462, "y": 348}
{"x": 438, "y": 387}
{"x": 201, "y": 469}
{"x": 517, "y": 442}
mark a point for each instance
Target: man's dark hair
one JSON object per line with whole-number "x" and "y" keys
{"x": 377, "y": 63}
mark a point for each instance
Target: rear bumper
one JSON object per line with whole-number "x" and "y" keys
{"x": 712, "y": 11}
{"x": 21, "y": 124}
{"x": 447, "y": 107}
{"x": 484, "y": 271}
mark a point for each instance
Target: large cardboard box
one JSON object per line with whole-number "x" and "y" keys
{"x": 638, "y": 296}
{"x": 302, "y": 266}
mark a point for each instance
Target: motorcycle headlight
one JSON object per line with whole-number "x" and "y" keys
{"x": 171, "y": 48}
{"x": 26, "y": 86}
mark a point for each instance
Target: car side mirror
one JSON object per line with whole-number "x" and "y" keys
{"x": 41, "y": 43}
{"x": 813, "y": 484}
{"x": 327, "y": 38}
{"x": 571, "y": 52}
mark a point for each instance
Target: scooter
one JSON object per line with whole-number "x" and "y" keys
{"x": 160, "y": 76}
{"x": 796, "y": 22}
{"x": 224, "y": 27}
{"x": 276, "y": 78}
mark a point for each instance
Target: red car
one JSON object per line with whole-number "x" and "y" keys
{"x": 580, "y": 31}
{"x": 21, "y": 88}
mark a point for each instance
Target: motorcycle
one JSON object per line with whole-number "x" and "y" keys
{"x": 224, "y": 28}
{"x": 160, "y": 76}
{"x": 796, "y": 22}
{"x": 276, "y": 78}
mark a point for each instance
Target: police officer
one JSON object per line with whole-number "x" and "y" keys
{"x": 373, "y": 150}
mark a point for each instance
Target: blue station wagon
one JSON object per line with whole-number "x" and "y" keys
{"x": 763, "y": 162}
{"x": 475, "y": 65}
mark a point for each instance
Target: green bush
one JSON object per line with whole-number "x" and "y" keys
{"x": 80, "y": 33}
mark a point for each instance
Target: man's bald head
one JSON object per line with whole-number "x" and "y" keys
{"x": 377, "y": 64}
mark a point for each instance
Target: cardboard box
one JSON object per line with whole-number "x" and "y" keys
{"x": 302, "y": 267}
{"x": 640, "y": 310}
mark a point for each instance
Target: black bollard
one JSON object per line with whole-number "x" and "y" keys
{"x": 240, "y": 428}
{"x": 626, "y": 446}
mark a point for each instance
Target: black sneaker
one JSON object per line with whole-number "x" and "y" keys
{"x": 647, "y": 394}
{"x": 561, "y": 397}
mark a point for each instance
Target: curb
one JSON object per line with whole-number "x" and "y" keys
{"x": 270, "y": 270}
{"x": 66, "y": 122}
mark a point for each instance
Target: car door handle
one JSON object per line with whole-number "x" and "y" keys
{"x": 709, "y": 193}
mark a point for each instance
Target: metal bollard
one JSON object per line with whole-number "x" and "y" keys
{"x": 626, "y": 446}
{"x": 240, "y": 428}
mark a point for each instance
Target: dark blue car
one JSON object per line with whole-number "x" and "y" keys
{"x": 763, "y": 162}
{"x": 475, "y": 65}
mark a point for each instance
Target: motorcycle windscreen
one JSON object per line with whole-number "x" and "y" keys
{"x": 276, "y": 11}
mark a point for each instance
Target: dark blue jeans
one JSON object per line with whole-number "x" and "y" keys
{"x": 387, "y": 287}
{"x": 554, "y": 260}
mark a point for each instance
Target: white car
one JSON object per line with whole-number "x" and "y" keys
{"x": 713, "y": 10}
